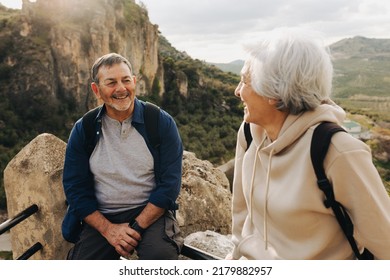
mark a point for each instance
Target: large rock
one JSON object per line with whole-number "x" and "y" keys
{"x": 228, "y": 169}
{"x": 213, "y": 243}
{"x": 205, "y": 199}
{"x": 34, "y": 176}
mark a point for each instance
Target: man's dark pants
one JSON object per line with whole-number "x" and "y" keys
{"x": 161, "y": 240}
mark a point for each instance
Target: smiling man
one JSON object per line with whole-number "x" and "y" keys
{"x": 123, "y": 193}
{"x": 114, "y": 84}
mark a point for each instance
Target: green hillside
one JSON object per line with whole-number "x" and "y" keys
{"x": 233, "y": 67}
{"x": 209, "y": 116}
{"x": 362, "y": 76}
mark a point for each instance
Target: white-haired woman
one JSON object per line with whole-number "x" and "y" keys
{"x": 278, "y": 209}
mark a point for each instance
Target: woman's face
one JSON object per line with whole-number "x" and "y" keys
{"x": 255, "y": 106}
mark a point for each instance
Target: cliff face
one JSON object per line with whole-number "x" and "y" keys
{"x": 55, "y": 43}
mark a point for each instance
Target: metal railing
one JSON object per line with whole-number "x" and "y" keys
{"x": 197, "y": 254}
{"x": 10, "y": 223}
{"x": 31, "y": 251}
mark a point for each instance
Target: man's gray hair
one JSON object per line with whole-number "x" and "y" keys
{"x": 107, "y": 60}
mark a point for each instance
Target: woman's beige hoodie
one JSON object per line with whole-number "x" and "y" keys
{"x": 278, "y": 209}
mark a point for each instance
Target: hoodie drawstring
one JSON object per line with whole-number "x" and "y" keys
{"x": 252, "y": 183}
{"x": 266, "y": 191}
{"x": 266, "y": 201}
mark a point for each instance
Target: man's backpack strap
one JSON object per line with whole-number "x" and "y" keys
{"x": 248, "y": 135}
{"x": 89, "y": 128}
{"x": 319, "y": 146}
{"x": 152, "y": 117}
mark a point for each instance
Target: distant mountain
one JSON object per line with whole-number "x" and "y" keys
{"x": 233, "y": 67}
{"x": 360, "y": 47}
{"x": 361, "y": 66}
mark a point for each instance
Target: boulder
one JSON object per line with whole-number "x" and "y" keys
{"x": 34, "y": 176}
{"x": 211, "y": 242}
{"x": 205, "y": 198}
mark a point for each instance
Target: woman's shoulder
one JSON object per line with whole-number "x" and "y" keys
{"x": 344, "y": 142}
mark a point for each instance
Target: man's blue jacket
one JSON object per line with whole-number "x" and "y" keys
{"x": 78, "y": 180}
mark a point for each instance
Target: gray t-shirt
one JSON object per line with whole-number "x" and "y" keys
{"x": 122, "y": 166}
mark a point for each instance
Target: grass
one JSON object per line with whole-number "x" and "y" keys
{"x": 5, "y": 255}
{"x": 378, "y": 109}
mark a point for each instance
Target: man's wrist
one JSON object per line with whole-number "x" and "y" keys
{"x": 134, "y": 225}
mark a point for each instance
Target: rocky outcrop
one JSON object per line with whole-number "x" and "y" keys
{"x": 228, "y": 169}
{"x": 62, "y": 39}
{"x": 182, "y": 83}
{"x": 34, "y": 176}
{"x": 205, "y": 199}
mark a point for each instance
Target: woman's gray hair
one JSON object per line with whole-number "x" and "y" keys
{"x": 291, "y": 66}
{"x": 107, "y": 60}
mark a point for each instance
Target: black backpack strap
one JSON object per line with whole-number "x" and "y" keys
{"x": 319, "y": 146}
{"x": 248, "y": 135}
{"x": 152, "y": 117}
{"x": 248, "y": 139}
{"x": 89, "y": 128}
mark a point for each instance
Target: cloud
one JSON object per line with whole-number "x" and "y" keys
{"x": 204, "y": 16}
{"x": 216, "y": 29}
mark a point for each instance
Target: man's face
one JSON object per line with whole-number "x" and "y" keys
{"x": 116, "y": 89}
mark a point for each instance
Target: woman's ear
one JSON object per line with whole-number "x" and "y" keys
{"x": 272, "y": 101}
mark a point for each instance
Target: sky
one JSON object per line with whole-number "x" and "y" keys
{"x": 217, "y": 30}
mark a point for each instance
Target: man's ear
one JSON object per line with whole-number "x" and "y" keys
{"x": 95, "y": 89}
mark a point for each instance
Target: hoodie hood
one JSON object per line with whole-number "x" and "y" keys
{"x": 297, "y": 125}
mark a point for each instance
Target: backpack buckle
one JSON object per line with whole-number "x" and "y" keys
{"x": 324, "y": 184}
{"x": 326, "y": 187}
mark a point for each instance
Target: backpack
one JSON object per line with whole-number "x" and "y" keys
{"x": 151, "y": 116}
{"x": 319, "y": 146}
